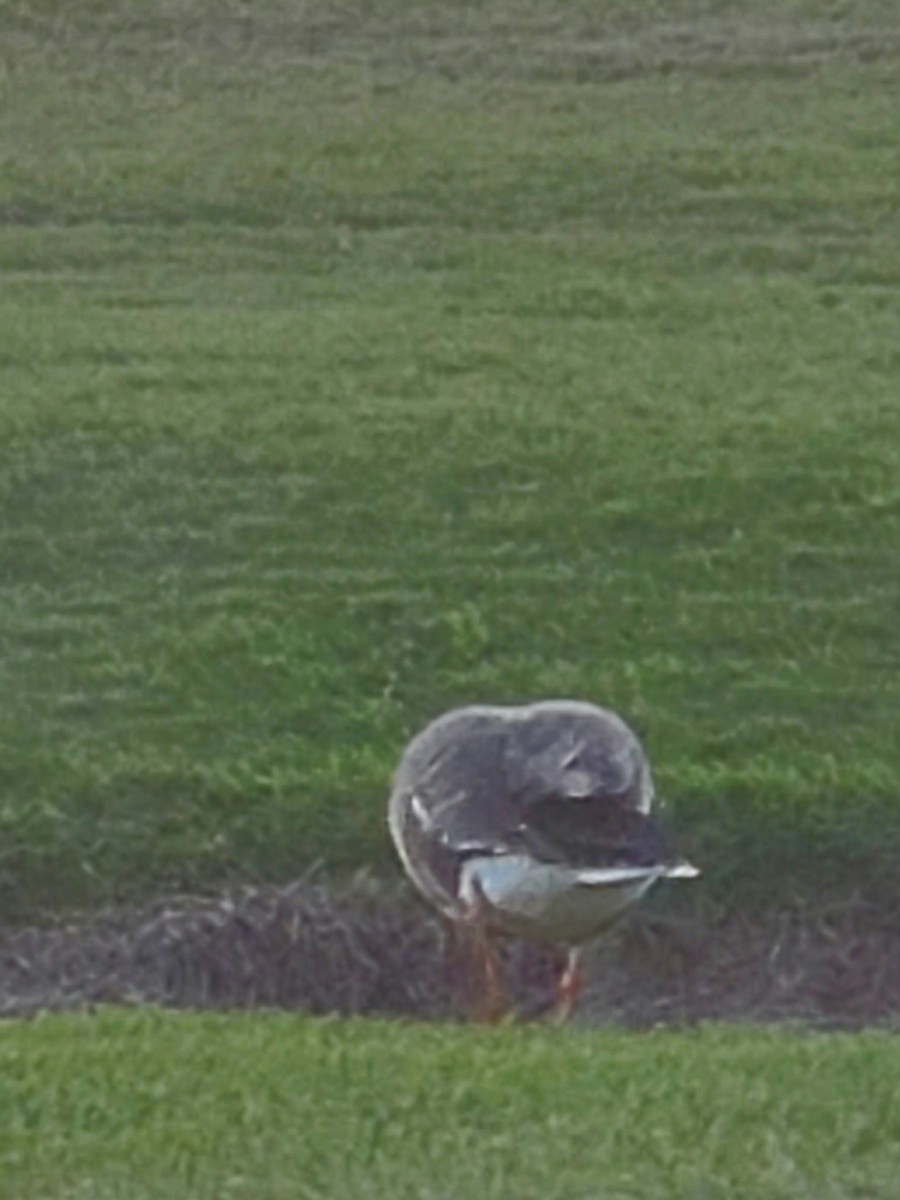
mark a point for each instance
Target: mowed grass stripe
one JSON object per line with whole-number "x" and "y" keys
{"x": 332, "y": 397}
{"x": 146, "y": 1105}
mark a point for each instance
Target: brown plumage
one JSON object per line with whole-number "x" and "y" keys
{"x": 534, "y": 821}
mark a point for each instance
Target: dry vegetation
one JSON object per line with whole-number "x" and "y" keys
{"x": 369, "y": 950}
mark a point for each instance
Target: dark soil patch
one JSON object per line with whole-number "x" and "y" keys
{"x": 368, "y": 949}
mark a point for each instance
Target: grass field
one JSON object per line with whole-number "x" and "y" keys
{"x": 151, "y": 1105}
{"x": 361, "y": 360}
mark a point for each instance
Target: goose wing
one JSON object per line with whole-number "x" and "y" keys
{"x": 594, "y": 831}
{"x": 560, "y": 782}
{"x": 454, "y": 780}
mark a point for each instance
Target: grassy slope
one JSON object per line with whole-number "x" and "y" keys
{"x": 367, "y": 361}
{"x": 184, "y": 1106}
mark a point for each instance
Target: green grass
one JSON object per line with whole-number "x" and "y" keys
{"x": 361, "y": 361}
{"x": 151, "y": 1105}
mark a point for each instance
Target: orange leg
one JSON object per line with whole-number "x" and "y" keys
{"x": 493, "y": 1004}
{"x": 490, "y": 1000}
{"x": 569, "y": 987}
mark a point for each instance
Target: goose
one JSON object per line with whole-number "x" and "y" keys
{"x": 529, "y": 821}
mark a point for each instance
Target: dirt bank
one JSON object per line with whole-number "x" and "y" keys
{"x": 371, "y": 949}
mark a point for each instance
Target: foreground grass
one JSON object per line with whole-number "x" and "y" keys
{"x": 151, "y": 1105}
{"x": 357, "y": 363}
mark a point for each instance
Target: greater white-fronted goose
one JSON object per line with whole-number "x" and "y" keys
{"x": 530, "y": 821}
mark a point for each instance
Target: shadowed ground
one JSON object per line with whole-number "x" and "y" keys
{"x": 367, "y": 950}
